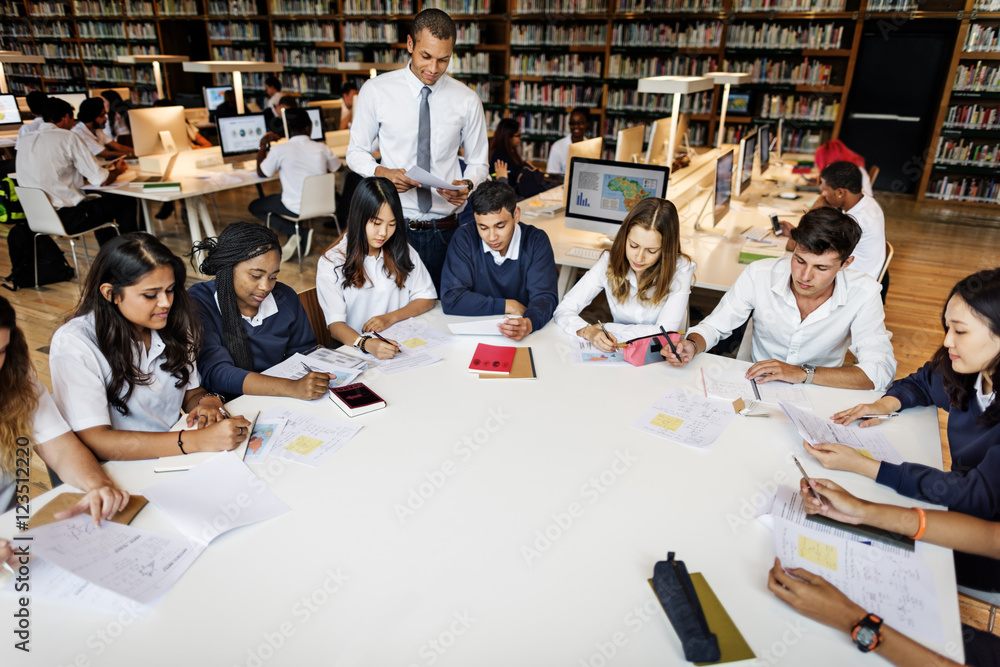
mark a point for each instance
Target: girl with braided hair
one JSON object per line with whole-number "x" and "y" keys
{"x": 251, "y": 321}
{"x": 123, "y": 367}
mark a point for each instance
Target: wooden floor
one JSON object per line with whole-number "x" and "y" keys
{"x": 935, "y": 246}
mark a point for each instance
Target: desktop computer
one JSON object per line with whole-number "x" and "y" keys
{"x": 330, "y": 110}
{"x": 629, "y": 145}
{"x": 744, "y": 165}
{"x": 602, "y": 192}
{"x": 657, "y": 152}
{"x": 588, "y": 148}
{"x": 779, "y": 137}
{"x": 214, "y": 96}
{"x": 239, "y": 136}
{"x": 723, "y": 187}
{"x": 317, "y": 133}
{"x": 151, "y": 127}
{"x": 764, "y": 140}
{"x": 9, "y": 113}
{"x": 73, "y": 99}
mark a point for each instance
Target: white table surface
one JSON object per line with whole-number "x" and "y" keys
{"x": 342, "y": 580}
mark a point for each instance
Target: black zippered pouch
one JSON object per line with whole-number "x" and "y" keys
{"x": 675, "y": 590}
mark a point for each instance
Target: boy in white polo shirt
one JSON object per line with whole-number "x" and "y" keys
{"x": 294, "y": 160}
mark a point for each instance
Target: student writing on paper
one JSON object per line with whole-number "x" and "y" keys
{"x": 960, "y": 379}
{"x": 91, "y": 119}
{"x": 646, "y": 277}
{"x": 809, "y": 309}
{"x": 123, "y": 367}
{"x": 251, "y": 321}
{"x": 500, "y": 266}
{"x": 28, "y": 411}
{"x": 372, "y": 278}
{"x": 816, "y": 598}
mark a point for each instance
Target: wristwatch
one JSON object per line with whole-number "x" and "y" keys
{"x": 867, "y": 633}
{"x": 469, "y": 183}
{"x": 810, "y": 372}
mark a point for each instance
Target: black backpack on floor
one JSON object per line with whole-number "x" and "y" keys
{"x": 52, "y": 264}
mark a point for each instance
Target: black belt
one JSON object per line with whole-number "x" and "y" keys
{"x": 444, "y": 223}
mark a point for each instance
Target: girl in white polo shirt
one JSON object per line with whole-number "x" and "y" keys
{"x": 28, "y": 414}
{"x": 372, "y": 278}
{"x": 124, "y": 367}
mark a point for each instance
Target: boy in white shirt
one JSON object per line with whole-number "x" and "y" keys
{"x": 36, "y": 103}
{"x": 579, "y": 118}
{"x": 91, "y": 119}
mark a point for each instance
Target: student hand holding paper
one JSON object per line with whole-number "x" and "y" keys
{"x": 836, "y": 503}
{"x": 883, "y": 406}
{"x": 102, "y": 503}
{"x": 456, "y": 197}
{"x": 813, "y": 597}
{"x": 310, "y": 386}
{"x": 834, "y": 456}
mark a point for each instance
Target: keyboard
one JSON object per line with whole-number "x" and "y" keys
{"x": 585, "y": 253}
{"x": 756, "y": 233}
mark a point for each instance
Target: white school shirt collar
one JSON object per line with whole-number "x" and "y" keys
{"x": 513, "y": 250}
{"x": 415, "y": 84}
{"x": 984, "y": 399}
{"x": 267, "y": 308}
{"x": 782, "y": 286}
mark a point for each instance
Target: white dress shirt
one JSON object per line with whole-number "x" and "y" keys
{"x": 633, "y": 318}
{"x": 559, "y": 156}
{"x": 388, "y": 109}
{"x": 379, "y": 295}
{"x": 58, "y": 162}
{"x": 851, "y": 318}
{"x": 28, "y": 128}
{"x": 866, "y": 183}
{"x": 294, "y": 160}
{"x": 274, "y": 100}
{"x": 513, "y": 249}
{"x": 80, "y": 375}
{"x": 984, "y": 400}
{"x": 869, "y": 255}
{"x": 266, "y": 308}
{"x": 96, "y": 142}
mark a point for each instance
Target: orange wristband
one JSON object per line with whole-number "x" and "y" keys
{"x": 922, "y": 515}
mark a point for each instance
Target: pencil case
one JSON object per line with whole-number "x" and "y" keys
{"x": 676, "y": 592}
{"x": 646, "y": 349}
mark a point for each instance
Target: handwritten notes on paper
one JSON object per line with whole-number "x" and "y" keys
{"x": 298, "y": 365}
{"x": 815, "y": 430}
{"x": 588, "y": 355}
{"x": 412, "y": 335}
{"x": 686, "y": 418}
{"x": 302, "y": 431}
{"x": 817, "y": 552}
{"x": 731, "y": 383}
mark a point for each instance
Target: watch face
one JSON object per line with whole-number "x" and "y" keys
{"x": 865, "y": 636}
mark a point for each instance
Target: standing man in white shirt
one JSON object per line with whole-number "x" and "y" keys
{"x": 808, "y": 310}
{"x": 579, "y": 119}
{"x": 91, "y": 119}
{"x": 348, "y": 94}
{"x": 294, "y": 160}
{"x": 36, "y": 103}
{"x": 57, "y": 161}
{"x": 421, "y": 117}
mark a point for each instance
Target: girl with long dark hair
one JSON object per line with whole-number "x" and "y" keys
{"x": 372, "y": 278}
{"x": 250, "y": 321}
{"x": 123, "y": 367}
{"x": 505, "y": 156}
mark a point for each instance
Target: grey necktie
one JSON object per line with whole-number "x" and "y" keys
{"x": 424, "y": 148}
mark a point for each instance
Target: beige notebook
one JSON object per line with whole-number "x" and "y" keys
{"x": 522, "y": 368}
{"x": 64, "y": 501}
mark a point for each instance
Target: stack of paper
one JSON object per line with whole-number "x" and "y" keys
{"x": 686, "y": 418}
{"x": 869, "y": 442}
{"x": 731, "y": 383}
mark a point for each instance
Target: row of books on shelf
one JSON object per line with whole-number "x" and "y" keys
{"x": 783, "y": 36}
{"x": 555, "y": 95}
{"x": 570, "y": 64}
{"x": 54, "y": 51}
{"x": 967, "y": 153}
{"x": 103, "y": 51}
{"x": 613, "y": 125}
{"x": 52, "y": 30}
{"x": 381, "y": 56}
{"x": 467, "y": 34}
{"x": 483, "y": 90}
{"x": 232, "y": 7}
{"x": 808, "y": 71}
{"x": 550, "y": 123}
{"x": 559, "y": 7}
{"x": 95, "y": 8}
{"x": 303, "y": 7}
{"x": 973, "y": 117}
{"x": 968, "y": 189}
{"x": 892, "y": 5}
{"x": 177, "y": 7}
{"x": 627, "y": 67}
{"x": 307, "y": 57}
{"x": 227, "y": 31}
{"x": 978, "y": 78}
{"x": 629, "y": 99}
{"x": 470, "y": 63}
{"x": 800, "y": 107}
{"x": 669, "y": 6}
{"x": 788, "y": 5}
{"x": 385, "y": 7}
{"x": 139, "y": 8}
{"x": 240, "y": 53}
{"x": 368, "y": 32}
{"x": 982, "y": 38}
{"x": 793, "y": 140}
{"x": 301, "y": 83}
{"x": 540, "y": 34}
{"x": 108, "y": 74}
{"x": 61, "y": 72}
{"x": 700, "y": 35}
{"x": 100, "y": 30}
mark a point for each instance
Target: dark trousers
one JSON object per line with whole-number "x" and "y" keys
{"x": 432, "y": 246}
{"x": 982, "y": 649}
{"x": 259, "y": 208}
{"x": 94, "y": 212}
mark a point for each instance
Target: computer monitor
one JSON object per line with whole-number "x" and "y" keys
{"x": 9, "y": 113}
{"x": 330, "y": 110}
{"x": 190, "y": 100}
{"x": 739, "y": 103}
{"x": 723, "y": 186}
{"x": 588, "y": 148}
{"x": 779, "y": 137}
{"x": 657, "y": 153}
{"x": 744, "y": 168}
{"x": 146, "y": 125}
{"x": 315, "y": 115}
{"x": 764, "y": 139}
{"x": 629, "y": 146}
{"x": 73, "y": 99}
{"x": 214, "y": 96}
{"x": 241, "y": 135}
{"x": 602, "y": 192}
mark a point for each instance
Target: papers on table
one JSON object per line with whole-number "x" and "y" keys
{"x": 686, "y": 418}
{"x": 481, "y": 327}
{"x": 217, "y": 496}
{"x": 730, "y": 383}
{"x": 900, "y": 590}
{"x": 186, "y": 462}
{"x": 407, "y": 361}
{"x": 136, "y": 563}
{"x": 298, "y": 365}
{"x": 868, "y": 441}
{"x": 308, "y": 439}
{"x": 337, "y": 359}
{"x": 265, "y": 433}
{"x": 413, "y": 335}
{"x": 50, "y": 582}
{"x": 585, "y": 353}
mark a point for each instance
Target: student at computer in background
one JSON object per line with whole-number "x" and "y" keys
{"x": 811, "y": 307}
{"x": 27, "y": 410}
{"x": 372, "y": 278}
{"x": 294, "y": 160}
{"x": 117, "y": 126}
{"x": 56, "y": 160}
{"x": 840, "y": 187}
{"x": 814, "y": 597}
{"x": 505, "y": 156}
{"x": 250, "y": 321}
{"x": 272, "y": 90}
{"x": 92, "y": 118}
{"x": 348, "y": 94}
{"x": 579, "y": 119}
{"x": 645, "y": 276}
{"x": 500, "y": 266}
{"x": 36, "y": 103}
{"x": 959, "y": 379}
{"x": 124, "y": 367}
{"x": 227, "y": 108}
{"x": 836, "y": 151}
{"x": 195, "y": 139}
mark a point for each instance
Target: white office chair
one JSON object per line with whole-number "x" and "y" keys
{"x": 992, "y": 600}
{"x": 743, "y": 354}
{"x": 888, "y": 258}
{"x": 318, "y": 200}
{"x": 43, "y": 219}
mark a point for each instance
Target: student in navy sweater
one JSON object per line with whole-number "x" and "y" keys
{"x": 500, "y": 266}
{"x": 251, "y": 321}
{"x": 960, "y": 379}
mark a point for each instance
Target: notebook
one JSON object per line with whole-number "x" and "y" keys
{"x": 356, "y": 399}
{"x": 523, "y": 367}
{"x": 492, "y": 359}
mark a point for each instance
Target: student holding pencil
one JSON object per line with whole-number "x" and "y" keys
{"x": 372, "y": 278}
{"x": 645, "y": 276}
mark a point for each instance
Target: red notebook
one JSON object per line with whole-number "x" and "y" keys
{"x": 494, "y": 359}
{"x": 356, "y": 399}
